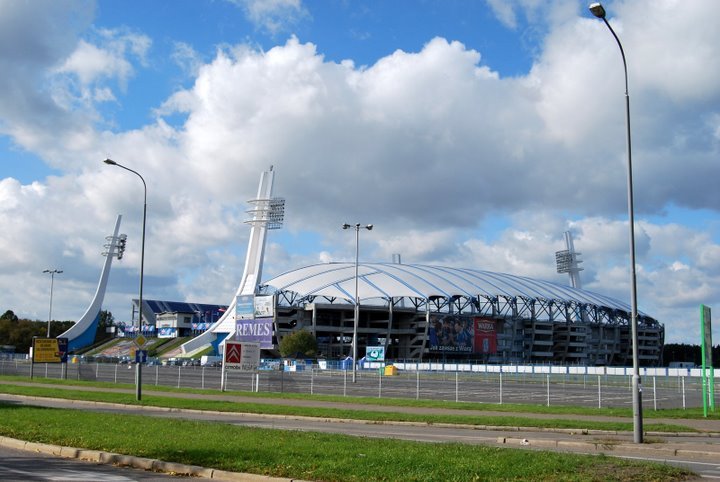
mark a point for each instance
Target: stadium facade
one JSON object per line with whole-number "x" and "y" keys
{"x": 420, "y": 312}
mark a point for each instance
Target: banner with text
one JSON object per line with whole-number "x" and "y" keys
{"x": 462, "y": 334}
{"x": 255, "y": 331}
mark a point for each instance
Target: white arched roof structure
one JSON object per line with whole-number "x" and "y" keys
{"x": 382, "y": 281}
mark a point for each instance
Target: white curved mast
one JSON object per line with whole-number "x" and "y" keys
{"x": 82, "y": 333}
{"x": 267, "y": 213}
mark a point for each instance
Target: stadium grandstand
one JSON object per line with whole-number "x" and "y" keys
{"x": 420, "y": 312}
{"x": 171, "y": 319}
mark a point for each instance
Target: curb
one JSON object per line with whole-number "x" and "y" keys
{"x": 603, "y": 447}
{"x": 153, "y": 465}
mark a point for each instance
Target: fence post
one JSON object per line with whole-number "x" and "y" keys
{"x": 345, "y": 382}
{"x": 417, "y": 383}
{"x": 312, "y": 381}
{"x": 116, "y": 373}
{"x": 683, "y": 391}
{"x": 179, "y": 367}
{"x": 548, "y": 390}
{"x": 457, "y": 396}
{"x": 202, "y": 378}
{"x": 599, "y": 393}
{"x": 380, "y": 377}
{"x": 654, "y": 395}
{"x": 501, "y": 389}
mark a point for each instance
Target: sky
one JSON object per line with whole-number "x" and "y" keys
{"x": 469, "y": 133}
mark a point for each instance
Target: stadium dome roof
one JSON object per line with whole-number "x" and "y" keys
{"x": 392, "y": 280}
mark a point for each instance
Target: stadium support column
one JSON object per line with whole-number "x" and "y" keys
{"x": 598, "y": 10}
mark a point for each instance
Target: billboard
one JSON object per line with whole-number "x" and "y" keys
{"x": 462, "y": 334}
{"x": 245, "y": 356}
{"x": 245, "y": 307}
{"x": 375, "y": 353}
{"x": 255, "y": 331}
{"x": 49, "y": 350}
{"x": 485, "y": 336}
{"x": 264, "y": 306}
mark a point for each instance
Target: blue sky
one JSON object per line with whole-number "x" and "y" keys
{"x": 469, "y": 133}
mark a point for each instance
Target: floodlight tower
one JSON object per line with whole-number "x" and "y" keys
{"x": 267, "y": 212}
{"x": 567, "y": 261}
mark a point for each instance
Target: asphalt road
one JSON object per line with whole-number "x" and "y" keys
{"x": 703, "y": 464}
{"x": 21, "y": 465}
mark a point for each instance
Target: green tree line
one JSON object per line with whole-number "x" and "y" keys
{"x": 681, "y": 352}
{"x": 18, "y": 333}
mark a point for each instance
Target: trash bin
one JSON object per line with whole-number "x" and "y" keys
{"x": 390, "y": 370}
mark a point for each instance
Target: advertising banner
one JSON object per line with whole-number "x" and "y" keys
{"x": 255, "y": 331}
{"x": 167, "y": 332}
{"x": 375, "y": 353}
{"x": 245, "y": 356}
{"x": 49, "y": 350}
{"x": 485, "y": 336}
{"x": 264, "y": 306}
{"x": 244, "y": 307}
{"x": 462, "y": 334}
{"x": 451, "y": 334}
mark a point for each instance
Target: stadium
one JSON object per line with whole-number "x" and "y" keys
{"x": 420, "y": 312}
{"x": 407, "y": 312}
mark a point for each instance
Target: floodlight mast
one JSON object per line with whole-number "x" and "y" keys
{"x": 52, "y": 273}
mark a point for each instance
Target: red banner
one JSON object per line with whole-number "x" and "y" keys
{"x": 485, "y": 336}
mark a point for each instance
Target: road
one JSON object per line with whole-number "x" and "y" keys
{"x": 21, "y": 465}
{"x": 701, "y": 454}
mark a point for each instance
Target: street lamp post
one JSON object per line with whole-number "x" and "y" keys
{"x": 599, "y": 11}
{"x": 138, "y": 373}
{"x": 52, "y": 272}
{"x": 357, "y": 228}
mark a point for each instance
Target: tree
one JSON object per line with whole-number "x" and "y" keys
{"x": 106, "y": 321}
{"x": 9, "y": 315}
{"x": 300, "y": 343}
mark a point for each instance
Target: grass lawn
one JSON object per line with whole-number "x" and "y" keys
{"x": 394, "y": 411}
{"x": 311, "y": 456}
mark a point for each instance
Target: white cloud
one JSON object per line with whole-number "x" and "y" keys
{"x": 426, "y": 145}
{"x": 274, "y": 16}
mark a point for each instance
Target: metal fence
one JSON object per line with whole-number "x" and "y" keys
{"x": 495, "y": 386}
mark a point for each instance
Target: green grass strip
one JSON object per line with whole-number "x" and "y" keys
{"x": 690, "y": 413}
{"x": 312, "y": 456}
{"x": 263, "y": 408}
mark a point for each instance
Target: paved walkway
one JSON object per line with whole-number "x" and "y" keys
{"x": 702, "y": 445}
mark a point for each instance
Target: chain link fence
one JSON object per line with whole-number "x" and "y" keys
{"x": 679, "y": 389}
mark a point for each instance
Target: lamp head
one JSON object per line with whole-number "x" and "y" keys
{"x": 369, "y": 227}
{"x": 346, "y": 226}
{"x": 597, "y": 9}
{"x": 110, "y": 162}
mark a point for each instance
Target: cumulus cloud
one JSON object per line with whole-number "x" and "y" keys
{"x": 272, "y": 15}
{"x": 430, "y": 146}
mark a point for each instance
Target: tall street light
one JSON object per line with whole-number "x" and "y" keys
{"x": 52, "y": 272}
{"x": 138, "y": 377}
{"x": 598, "y": 10}
{"x": 357, "y": 228}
